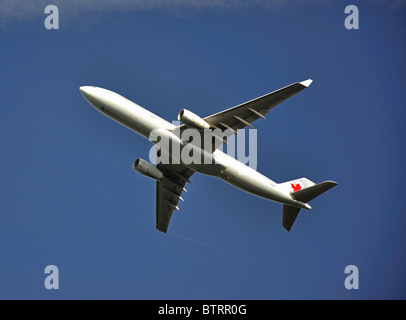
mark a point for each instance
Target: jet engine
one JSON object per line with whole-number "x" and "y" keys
{"x": 147, "y": 169}
{"x": 192, "y": 120}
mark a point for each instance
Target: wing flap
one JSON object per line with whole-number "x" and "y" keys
{"x": 246, "y": 113}
{"x": 243, "y": 115}
{"x": 168, "y": 192}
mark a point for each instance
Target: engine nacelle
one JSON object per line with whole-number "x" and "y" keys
{"x": 147, "y": 169}
{"x": 192, "y": 120}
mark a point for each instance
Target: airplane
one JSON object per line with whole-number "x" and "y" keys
{"x": 172, "y": 177}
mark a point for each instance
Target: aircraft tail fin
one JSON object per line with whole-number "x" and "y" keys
{"x": 295, "y": 185}
{"x": 304, "y": 195}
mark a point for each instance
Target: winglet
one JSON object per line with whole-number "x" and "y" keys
{"x": 306, "y": 83}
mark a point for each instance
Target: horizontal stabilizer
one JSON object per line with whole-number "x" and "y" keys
{"x": 309, "y": 193}
{"x": 306, "y": 191}
{"x": 289, "y": 216}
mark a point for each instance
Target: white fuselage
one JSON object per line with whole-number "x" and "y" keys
{"x": 227, "y": 168}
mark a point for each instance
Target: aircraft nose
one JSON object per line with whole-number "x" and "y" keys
{"x": 85, "y": 91}
{"x": 94, "y": 96}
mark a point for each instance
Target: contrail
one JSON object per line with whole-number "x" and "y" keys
{"x": 332, "y": 92}
{"x": 210, "y": 247}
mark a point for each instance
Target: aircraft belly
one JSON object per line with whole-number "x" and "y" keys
{"x": 208, "y": 169}
{"x": 142, "y": 122}
{"x": 256, "y": 185}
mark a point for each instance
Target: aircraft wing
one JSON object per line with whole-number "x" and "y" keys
{"x": 244, "y": 114}
{"x": 168, "y": 192}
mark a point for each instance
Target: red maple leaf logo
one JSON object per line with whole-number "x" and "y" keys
{"x": 296, "y": 187}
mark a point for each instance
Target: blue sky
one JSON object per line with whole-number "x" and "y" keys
{"x": 69, "y": 196}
